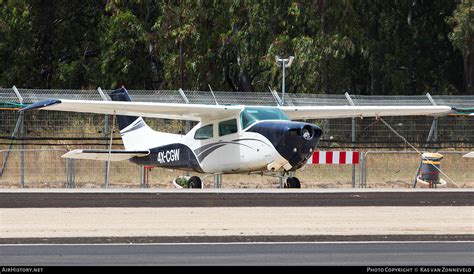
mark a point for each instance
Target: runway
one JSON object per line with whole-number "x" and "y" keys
{"x": 236, "y": 227}
{"x": 25, "y": 198}
{"x": 261, "y": 254}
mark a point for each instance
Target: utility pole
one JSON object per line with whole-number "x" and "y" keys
{"x": 284, "y": 63}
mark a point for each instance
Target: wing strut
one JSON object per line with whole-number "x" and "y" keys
{"x": 110, "y": 151}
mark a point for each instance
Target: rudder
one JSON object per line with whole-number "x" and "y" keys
{"x": 122, "y": 95}
{"x": 136, "y": 134}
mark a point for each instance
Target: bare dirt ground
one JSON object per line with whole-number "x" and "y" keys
{"x": 224, "y": 221}
{"x": 233, "y": 182}
{"x": 49, "y": 170}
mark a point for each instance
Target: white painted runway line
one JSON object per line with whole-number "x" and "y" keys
{"x": 246, "y": 243}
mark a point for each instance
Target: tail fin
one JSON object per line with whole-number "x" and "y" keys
{"x": 122, "y": 95}
{"x": 136, "y": 134}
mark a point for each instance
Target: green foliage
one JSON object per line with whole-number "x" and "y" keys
{"x": 462, "y": 35}
{"x": 15, "y": 42}
{"x": 182, "y": 181}
{"x": 366, "y": 47}
{"x": 124, "y": 54}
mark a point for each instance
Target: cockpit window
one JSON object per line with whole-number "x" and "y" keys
{"x": 250, "y": 115}
{"x": 227, "y": 127}
{"x": 206, "y": 132}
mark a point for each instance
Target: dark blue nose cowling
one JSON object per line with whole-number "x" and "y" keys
{"x": 295, "y": 141}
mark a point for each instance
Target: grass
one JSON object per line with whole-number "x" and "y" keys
{"x": 400, "y": 169}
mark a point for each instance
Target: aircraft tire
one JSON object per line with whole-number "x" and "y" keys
{"x": 293, "y": 182}
{"x": 194, "y": 182}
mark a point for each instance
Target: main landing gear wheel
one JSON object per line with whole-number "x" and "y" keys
{"x": 292, "y": 182}
{"x": 194, "y": 182}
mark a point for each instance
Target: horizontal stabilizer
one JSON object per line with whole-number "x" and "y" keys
{"x": 104, "y": 155}
{"x": 469, "y": 155}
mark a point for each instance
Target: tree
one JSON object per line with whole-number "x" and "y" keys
{"x": 462, "y": 38}
{"x": 365, "y": 47}
{"x": 16, "y": 44}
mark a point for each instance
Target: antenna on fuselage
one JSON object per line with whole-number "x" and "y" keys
{"x": 213, "y": 94}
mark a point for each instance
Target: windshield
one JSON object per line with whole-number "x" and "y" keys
{"x": 251, "y": 115}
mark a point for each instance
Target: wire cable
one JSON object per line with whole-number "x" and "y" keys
{"x": 419, "y": 152}
{"x": 110, "y": 151}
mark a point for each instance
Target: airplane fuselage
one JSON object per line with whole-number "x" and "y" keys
{"x": 227, "y": 147}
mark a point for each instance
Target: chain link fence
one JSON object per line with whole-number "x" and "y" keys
{"x": 398, "y": 169}
{"x": 42, "y": 136}
{"x": 34, "y": 168}
{"x": 44, "y": 168}
{"x": 449, "y": 131}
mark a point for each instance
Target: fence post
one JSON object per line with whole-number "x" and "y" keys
{"x": 22, "y": 153}
{"x": 187, "y": 122}
{"x": 68, "y": 172}
{"x": 362, "y": 169}
{"x": 365, "y": 169}
{"x": 22, "y": 136}
{"x": 71, "y": 173}
{"x": 106, "y": 133}
{"x": 353, "y": 136}
{"x": 353, "y": 149}
{"x": 74, "y": 172}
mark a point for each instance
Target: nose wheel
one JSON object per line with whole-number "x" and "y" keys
{"x": 292, "y": 182}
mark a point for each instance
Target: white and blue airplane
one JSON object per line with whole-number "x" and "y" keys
{"x": 227, "y": 138}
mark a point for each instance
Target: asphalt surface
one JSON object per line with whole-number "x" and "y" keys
{"x": 261, "y": 254}
{"x": 237, "y": 239}
{"x": 200, "y": 198}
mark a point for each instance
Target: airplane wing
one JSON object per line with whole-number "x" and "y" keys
{"x": 327, "y": 112}
{"x": 199, "y": 112}
{"x": 194, "y": 112}
{"x": 103, "y": 154}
